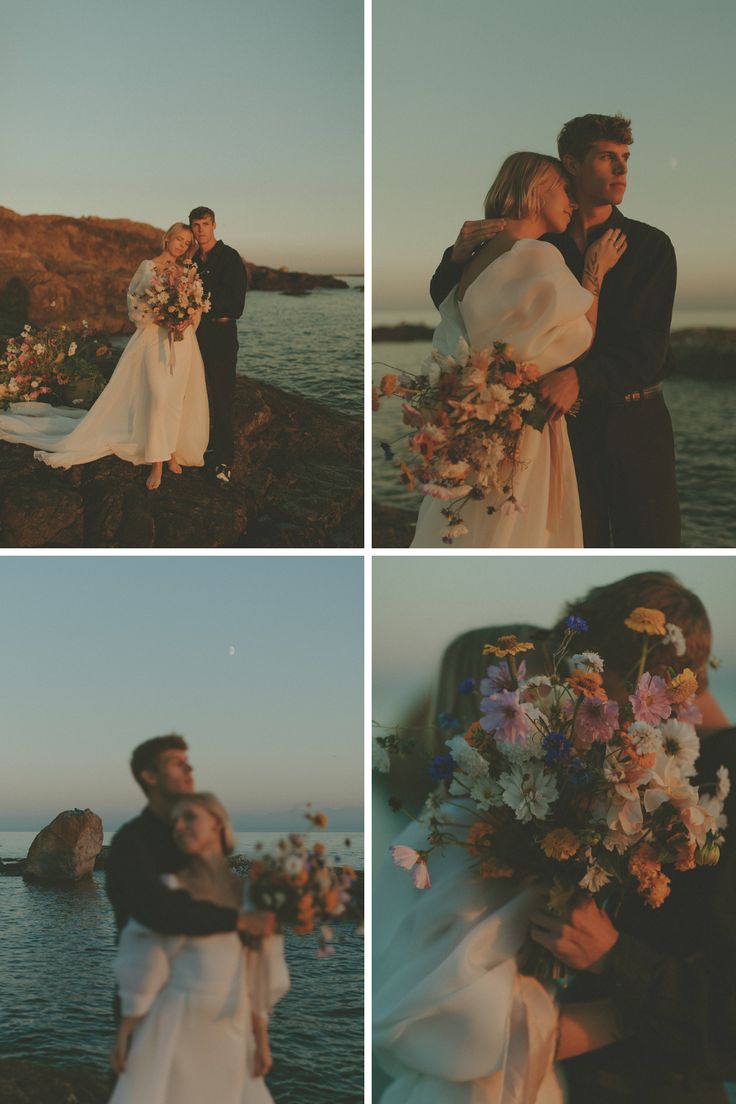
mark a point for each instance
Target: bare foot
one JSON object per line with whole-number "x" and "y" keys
{"x": 154, "y": 478}
{"x": 174, "y": 466}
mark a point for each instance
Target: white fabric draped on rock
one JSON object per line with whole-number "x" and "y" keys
{"x": 454, "y": 1021}
{"x": 154, "y": 406}
{"x": 528, "y": 298}
{"x": 196, "y": 994}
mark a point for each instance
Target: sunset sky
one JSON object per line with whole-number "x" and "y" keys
{"x": 144, "y": 110}
{"x": 257, "y": 661}
{"x": 457, "y": 87}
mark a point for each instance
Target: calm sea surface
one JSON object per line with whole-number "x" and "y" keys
{"x": 56, "y": 947}
{"x": 705, "y": 445}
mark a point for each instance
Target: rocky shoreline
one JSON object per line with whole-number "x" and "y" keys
{"x": 297, "y": 482}
{"x": 699, "y": 352}
{"x": 32, "y": 1083}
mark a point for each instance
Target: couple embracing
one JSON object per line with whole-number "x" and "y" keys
{"x": 177, "y": 372}
{"x": 198, "y": 970}
{"x": 585, "y": 294}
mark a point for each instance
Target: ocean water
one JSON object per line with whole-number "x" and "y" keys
{"x": 56, "y": 985}
{"x": 308, "y": 344}
{"x": 705, "y": 448}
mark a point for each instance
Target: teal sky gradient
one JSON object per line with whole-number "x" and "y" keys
{"x": 101, "y": 653}
{"x": 457, "y": 87}
{"x": 144, "y": 110}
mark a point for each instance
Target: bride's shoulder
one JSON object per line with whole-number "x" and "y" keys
{"x": 538, "y": 254}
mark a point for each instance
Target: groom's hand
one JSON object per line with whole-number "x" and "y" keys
{"x": 471, "y": 238}
{"x": 582, "y": 940}
{"x": 259, "y": 924}
{"x": 560, "y": 390}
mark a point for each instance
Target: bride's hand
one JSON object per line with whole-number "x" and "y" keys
{"x": 603, "y": 254}
{"x": 119, "y": 1052}
{"x": 263, "y": 1057}
{"x": 260, "y": 924}
{"x": 472, "y": 236}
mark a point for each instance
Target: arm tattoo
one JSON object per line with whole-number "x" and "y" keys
{"x": 591, "y": 275}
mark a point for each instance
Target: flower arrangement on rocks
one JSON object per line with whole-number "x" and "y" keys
{"x": 465, "y": 428}
{"x": 173, "y": 297}
{"x": 301, "y": 884}
{"x": 42, "y": 365}
{"x": 566, "y": 786}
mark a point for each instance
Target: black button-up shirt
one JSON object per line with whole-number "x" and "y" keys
{"x": 631, "y": 346}
{"x": 224, "y": 278}
{"x": 141, "y": 851}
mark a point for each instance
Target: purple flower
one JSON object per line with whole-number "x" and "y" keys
{"x": 596, "y": 720}
{"x": 444, "y": 720}
{"x": 499, "y": 678}
{"x": 441, "y": 768}
{"x": 578, "y": 772}
{"x": 576, "y": 624}
{"x": 556, "y": 746}
{"x": 387, "y": 450}
{"x": 505, "y": 717}
{"x": 467, "y": 686}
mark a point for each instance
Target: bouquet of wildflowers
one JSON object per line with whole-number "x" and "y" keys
{"x": 38, "y": 364}
{"x": 173, "y": 297}
{"x": 569, "y": 787}
{"x": 300, "y": 883}
{"x": 465, "y": 428}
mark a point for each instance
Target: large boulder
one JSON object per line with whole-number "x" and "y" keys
{"x": 65, "y": 850}
{"x": 30, "y": 1083}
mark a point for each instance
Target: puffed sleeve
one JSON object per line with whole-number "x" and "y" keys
{"x": 137, "y": 313}
{"x": 530, "y": 299}
{"x": 142, "y": 966}
{"x": 449, "y": 1003}
{"x": 268, "y": 975}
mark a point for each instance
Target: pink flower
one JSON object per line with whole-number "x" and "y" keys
{"x": 504, "y": 715}
{"x": 651, "y": 702}
{"x": 596, "y": 720}
{"x": 499, "y": 678}
{"x": 407, "y": 858}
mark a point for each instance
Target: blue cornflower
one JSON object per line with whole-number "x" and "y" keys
{"x": 387, "y": 450}
{"x": 556, "y": 746}
{"x": 441, "y": 768}
{"x": 578, "y": 772}
{"x": 576, "y": 624}
{"x": 467, "y": 686}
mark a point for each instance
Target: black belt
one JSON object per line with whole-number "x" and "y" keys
{"x": 641, "y": 396}
{"x": 219, "y": 320}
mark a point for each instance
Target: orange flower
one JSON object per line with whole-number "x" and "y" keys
{"x": 529, "y": 372}
{"x": 301, "y": 878}
{"x": 685, "y": 855}
{"x": 560, "y": 843}
{"x": 515, "y": 421}
{"x": 479, "y": 835}
{"x": 375, "y": 401}
{"x": 684, "y": 686}
{"x": 408, "y": 476}
{"x": 656, "y": 891}
{"x": 332, "y": 901}
{"x": 511, "y": 379}
{"x": 319, "y": 849}
{"x": 644, "y": 865}
{"x": 102, "y": 351}
{"x": 507, "y": 646}
{"x": 494, "y": 869}
{"x": 587, "y": 683}
{"x": 319, "y": 820}
{"x": 475, "y": 734}
{"x": 649, "y": 621}
{"x": 388, "y": 384}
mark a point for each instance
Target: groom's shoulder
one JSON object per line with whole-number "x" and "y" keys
{"x": 132, "y": 831}
{"x": 645, "y": 233}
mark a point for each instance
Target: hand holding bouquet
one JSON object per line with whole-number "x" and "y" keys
{"x": 174, "y": 297}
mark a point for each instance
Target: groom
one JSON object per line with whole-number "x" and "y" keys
{"x": 144, "y": 849}
{"x": 224, "y": 278}
{"x": 621, "y": 440}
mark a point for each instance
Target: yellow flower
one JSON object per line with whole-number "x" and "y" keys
{"x": 683, "y": 686}
{"x": 560, "y": 843}
{"x": 507, "y": 646}
{"x": 649, "y": 621}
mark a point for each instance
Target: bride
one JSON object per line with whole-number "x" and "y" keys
{"x": 195, "y": 1009}
{"x": 518, "y": 289}
{"x": 154, "y": 409}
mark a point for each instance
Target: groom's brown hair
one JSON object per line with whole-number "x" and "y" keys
{"x": 578, "y": 135}
{"x": 146, "y": 755}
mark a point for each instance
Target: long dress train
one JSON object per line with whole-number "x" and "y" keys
{"x": 154, "y": 407}
{"x": 528, "y": 298}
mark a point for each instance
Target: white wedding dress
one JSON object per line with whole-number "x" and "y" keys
{"x": 454, "y": 1020}
{"x": 528, "y": 298}
{"x": 154, "y": 407}
{"x": 196, "y": 994}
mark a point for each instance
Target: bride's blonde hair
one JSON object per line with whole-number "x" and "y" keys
{"x": 172, "y": 228}
{"x": 519, "y": 188}
{"x": 214, "y": 806}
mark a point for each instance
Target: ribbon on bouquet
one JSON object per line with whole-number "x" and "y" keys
{"x": 556, "y": 482}
{"x": 174, "y": 336}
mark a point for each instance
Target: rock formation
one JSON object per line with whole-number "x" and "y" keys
{"x": 30, "y": 1083}
{"x": 54, "y": 268}
{"x": 297, "y": 482}
{"x": 65, "y": 850}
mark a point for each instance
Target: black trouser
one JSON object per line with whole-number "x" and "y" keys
{"x": 625, "y": 466}
{"x": 218, "y": 343}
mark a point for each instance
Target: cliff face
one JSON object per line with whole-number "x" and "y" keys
{"x": 84, "y": 266}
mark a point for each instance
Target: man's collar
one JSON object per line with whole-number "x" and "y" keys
{"x": 211, "y": 251}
